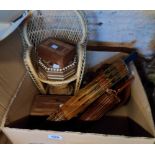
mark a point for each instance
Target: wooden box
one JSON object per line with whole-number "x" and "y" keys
{"x": 44, "y": 105}
{"x": 56, "y": 52}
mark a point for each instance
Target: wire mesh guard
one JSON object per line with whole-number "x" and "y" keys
{"x": 68, "y": 26}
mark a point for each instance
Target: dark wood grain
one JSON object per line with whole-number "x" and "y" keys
{"x": 44, "y": 105}
{"x": 62, "y": 55}
{"x": 125, "y": 47}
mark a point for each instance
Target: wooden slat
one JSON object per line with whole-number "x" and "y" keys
{"x": 44, "y": 105}
{"x": 125, "y": 47}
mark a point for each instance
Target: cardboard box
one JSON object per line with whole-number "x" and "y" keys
{"x": 17, "y": 91}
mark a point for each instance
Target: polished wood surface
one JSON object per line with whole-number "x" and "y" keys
{"x": 56, "y": 52}
{"x": 44, "y": 105}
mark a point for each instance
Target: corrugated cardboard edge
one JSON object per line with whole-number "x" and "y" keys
{"x": 42, "y": 137}
{"x": 144, "y": 99}
{"x": 12, "y": 100}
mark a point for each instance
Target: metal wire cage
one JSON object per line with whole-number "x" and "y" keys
{"x": 70, "y": 26}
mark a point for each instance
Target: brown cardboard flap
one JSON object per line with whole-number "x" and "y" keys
{"x": 11, "y": 70}
{"x": 140, "y": 101}
{"x": 22, "y": 103}
{"x": 138, "y": 108}
{"x": 4, "y": 139}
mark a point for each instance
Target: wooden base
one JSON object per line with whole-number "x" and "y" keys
{"x": 44, "y": 105}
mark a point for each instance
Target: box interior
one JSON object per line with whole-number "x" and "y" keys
{"x": 18, "y": 90}
{"x": 129, "y": 120}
